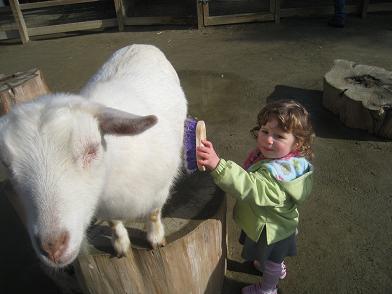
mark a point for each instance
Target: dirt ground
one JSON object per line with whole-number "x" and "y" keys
{"x": 228, "y": 73}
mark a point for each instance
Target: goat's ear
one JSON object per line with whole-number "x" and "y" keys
{"x": 117, "y": 122}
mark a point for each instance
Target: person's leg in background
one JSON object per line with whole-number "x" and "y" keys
{"x": 339, "y": 19}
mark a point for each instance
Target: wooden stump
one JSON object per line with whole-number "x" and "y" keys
{"x": 193, "y": 261}
{"x": 21, "y": 87}
{"x": 361, "y": 95}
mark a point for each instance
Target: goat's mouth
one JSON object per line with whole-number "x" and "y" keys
{"x": 63, "y": 261}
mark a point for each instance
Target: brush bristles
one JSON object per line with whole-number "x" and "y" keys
{"x": 190, "y": 145}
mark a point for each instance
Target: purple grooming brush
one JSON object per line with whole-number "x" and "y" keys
{"x": 194, "y": 132}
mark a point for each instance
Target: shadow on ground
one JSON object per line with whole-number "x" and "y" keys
{"x": 312, "y": 100}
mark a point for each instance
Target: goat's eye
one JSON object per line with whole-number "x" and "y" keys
{"x": 90, "y": 153}
{"x": 91, "y": 150}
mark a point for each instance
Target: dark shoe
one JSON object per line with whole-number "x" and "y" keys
{"x": 337, "y": 22}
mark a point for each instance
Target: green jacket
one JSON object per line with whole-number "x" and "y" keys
{"x": 262, "y": 200}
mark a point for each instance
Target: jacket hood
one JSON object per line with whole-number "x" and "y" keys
{"x": 295, "y": 175}
{"x": 299, "y": 189}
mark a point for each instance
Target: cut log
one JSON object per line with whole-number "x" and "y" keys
{"x": 193, "y": 261}
{"x": 21, "y": 87}
{"x": 361, "y": 95}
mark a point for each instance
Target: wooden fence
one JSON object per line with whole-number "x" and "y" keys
{"x": 201, "y": 17}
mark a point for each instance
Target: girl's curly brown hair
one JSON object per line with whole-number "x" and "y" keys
{"x": 293, "y": 118}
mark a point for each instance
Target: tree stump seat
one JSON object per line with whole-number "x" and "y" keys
{"x": 21, "y": 87}
{"x": 361, "y": 95}
{"x": 193, "y": 260}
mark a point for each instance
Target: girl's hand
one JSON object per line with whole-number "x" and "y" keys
{"x": 207, "y": 156}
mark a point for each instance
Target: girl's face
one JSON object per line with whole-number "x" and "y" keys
{"x": 273, "y": 142}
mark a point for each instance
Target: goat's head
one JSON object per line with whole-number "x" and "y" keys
{"x": 54, "y": 153}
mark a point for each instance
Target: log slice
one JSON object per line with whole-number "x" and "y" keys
{"x": 361, "y": 95}
{"x": 21, "y": 87}
{"x": 193, "y": 261}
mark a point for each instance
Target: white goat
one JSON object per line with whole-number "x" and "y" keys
{"x": 72, "y": 157}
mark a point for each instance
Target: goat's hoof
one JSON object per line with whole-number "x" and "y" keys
{"x": 159, "y": 244}
{"x": 122, "y": 254}
{"x": 121, "y": 247}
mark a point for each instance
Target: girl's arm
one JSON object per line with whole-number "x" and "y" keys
{"x": 258, "y": 187}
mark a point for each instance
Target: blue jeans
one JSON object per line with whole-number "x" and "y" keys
{"x": 339, "y": 8}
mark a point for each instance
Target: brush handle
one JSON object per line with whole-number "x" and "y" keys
{"x": 201, "y": 134}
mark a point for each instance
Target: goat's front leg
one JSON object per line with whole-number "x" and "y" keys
{"x": 155, "y": 229}
{"x": 120, "y": 238}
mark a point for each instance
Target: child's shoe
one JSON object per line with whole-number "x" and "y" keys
{"x": 256, "y": 289}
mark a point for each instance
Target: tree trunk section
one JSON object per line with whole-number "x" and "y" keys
{"x": 21, "y": 87}
{"x": 361, "y": 95}
{"x": 193, "y": 261}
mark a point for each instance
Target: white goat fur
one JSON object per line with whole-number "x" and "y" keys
{"x": 68, "y": 162}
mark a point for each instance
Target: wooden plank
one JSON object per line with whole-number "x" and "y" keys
{"x": 9, "y": 27}
{"x": 50, "y": 3}
{"x": 380, "y": 7}
{"x": 238, "y": 18}
{"x": 206, "y": 12}
{"x": 272, "y": 6}
{"x": 158, "y": 20}
{"x": 5, "y": 9}
{"x": 309, "y": 11}
{"x": 200, "y": 15}
{"x": 19, "y": 19}
{"x": 76, "y": 26}
{"x": 365, "y": 5}
{"x": 328, "y": 10}
{"x": 120, "y": 13}
{"x": 277, "y": 11}
{"x": 9, "y": 34}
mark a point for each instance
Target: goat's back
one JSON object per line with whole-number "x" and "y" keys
{"x": 140, "y": 80}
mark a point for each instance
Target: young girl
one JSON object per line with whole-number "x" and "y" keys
{"x": 276, "y": 179}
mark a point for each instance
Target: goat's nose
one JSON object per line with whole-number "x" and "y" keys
{"x": 53, "y": 247}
